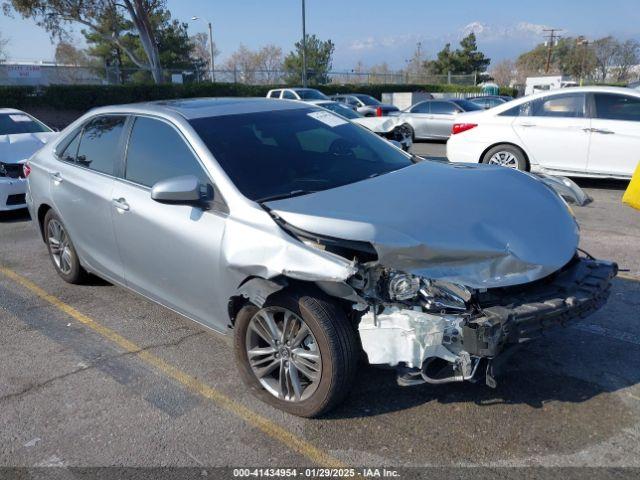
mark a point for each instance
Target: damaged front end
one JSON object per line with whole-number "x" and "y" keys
{"x": 454, "y": 265}
{"x": 439, "y": 332}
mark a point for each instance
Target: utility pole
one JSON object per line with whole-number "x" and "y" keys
{"x": 304, "y": 47}
{"x": 213, "y": 78}
{"x": 552, "y": 38}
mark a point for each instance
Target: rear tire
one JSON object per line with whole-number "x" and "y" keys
{"x": 332, "y": 339}
{"x": 61, "y": 250}
{"x": 506, "y": 155}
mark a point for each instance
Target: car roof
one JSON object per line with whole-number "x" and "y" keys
{"x": 192, "y": 108}
{"x": 10, "y": 110}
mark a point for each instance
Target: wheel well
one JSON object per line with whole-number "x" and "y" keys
{"x": 279, "y": 284}
{"x": 42, "y": 211}
{"x": 526, "y": 157}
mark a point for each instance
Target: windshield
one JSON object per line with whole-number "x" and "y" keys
{"x": 16, "y": 123}
{"x": 291, "y": 152}
{"x": 340, "y": 109}
{"x": 367, "y": 99}
{"x": 467, "y": 106}
{"x": 311, "y": 94}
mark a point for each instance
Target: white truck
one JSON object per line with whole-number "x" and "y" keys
{"x": 548, "y": 82}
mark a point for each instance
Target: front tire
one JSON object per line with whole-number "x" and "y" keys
{"x": 506, "y": 155}
{"x": 61, "y": 250}
{"x": 298, "y": 352}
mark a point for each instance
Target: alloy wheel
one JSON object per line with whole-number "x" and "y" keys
{"x": 59, "y": 246}
{"x": 504, "y": 159}
{"x": 283, "y": 354}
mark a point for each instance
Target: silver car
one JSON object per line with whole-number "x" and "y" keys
{"x": 434, "y": 119}
{"x": 312, "y": 240}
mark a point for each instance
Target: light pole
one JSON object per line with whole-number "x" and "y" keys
{"x": 211, "y": 70}
{"x": 304, "y": 47}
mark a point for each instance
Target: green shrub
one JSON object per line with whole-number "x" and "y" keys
{"x": 83, "y": 97}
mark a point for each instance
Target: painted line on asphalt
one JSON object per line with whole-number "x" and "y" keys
{"x": 273, "y": 430}
{"x": 629, "y": 276}
{"x": 608, "y": 333}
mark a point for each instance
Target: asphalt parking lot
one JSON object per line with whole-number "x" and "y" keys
{"x": 97, "y": 376}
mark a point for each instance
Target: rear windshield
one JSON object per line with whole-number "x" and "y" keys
{"x": 341, "y": 109}
{"x": 16, "y": 123}
{"x": 467, "y": 106}
{"x": 311, "y": 94}
{"x": 292, "y": 152}
{"x": 367, "y": 100}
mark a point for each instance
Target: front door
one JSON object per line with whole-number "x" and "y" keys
{"x": 556, "y": 132}
{"x": 170, "y": 252}
{"x": 615, "y": 135}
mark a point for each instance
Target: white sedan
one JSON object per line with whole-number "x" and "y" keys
{"x": 21, "y": 135}
{"x": 580, "y": 132}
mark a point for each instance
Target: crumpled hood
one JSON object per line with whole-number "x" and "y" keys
{"x": 378, "y": 124}
{"x": 20, "y": 146}
{"x": 477, "y": 225}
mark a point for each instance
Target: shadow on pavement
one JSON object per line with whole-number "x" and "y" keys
{"x": 568, "y": 365}
{"x": 12, "y": 216}
{"x": 603, "y": 183}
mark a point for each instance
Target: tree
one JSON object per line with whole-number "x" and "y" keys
{"x": 464, "y": 60}
{"x": 3, "y": 48}
{"x": 319, "y": 56}
{"x": 261, "y": 66}
{"x": 103, "y": 18}
{"x": 605, "y": 51}
{"x": 627, "y": 56}
{"x": 200, "y": 51}
{"x": 503, "y": 73}
{"x": 68, "y": 54}
{"x": 569, "y": 56}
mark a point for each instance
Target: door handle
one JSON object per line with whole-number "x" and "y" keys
{"x": 120, "y": 204}
{"x": 602, "y": 131}
{"x": 527, "y": 125}
{"x": 56, "y": 177}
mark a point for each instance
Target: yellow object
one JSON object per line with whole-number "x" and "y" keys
{"x": 632, "y": 196}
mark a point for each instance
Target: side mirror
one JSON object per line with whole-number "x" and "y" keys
{"x": 183, "y": 190}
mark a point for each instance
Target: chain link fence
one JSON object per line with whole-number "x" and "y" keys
{"x": 54, "y": 74}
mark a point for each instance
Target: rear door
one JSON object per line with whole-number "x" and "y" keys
{"x": 418, "y": 118}
{"x": 170, "y": 252}
{"x": 442, "y": 118}
{"x": 615, "y": 134}
{"x": 81, "y": 188}
{"x": 555, "y": 131}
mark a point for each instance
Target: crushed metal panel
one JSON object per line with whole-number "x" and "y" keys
{"x": 479, "y": 226}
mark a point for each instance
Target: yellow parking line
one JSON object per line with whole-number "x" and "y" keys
{"x": 270, "y": 428}
{"x": 628, "y": 276}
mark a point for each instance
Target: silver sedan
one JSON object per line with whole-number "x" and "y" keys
{"x": 433, "y": 119}
{"x": 311, "y": 240}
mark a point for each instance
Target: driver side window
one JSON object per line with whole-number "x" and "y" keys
{"x": 156, "y": 152}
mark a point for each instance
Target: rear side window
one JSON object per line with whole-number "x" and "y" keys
{"x": 522, "y": 110}
{"x": 421, "y": 108}
{"x": 156, "y": 152}
{"x": 571, "y": 105}
{"x": 289, "y": 95}
{"x": 610, "y": 106}
{"x": 443, "y": 108}
{"x": 100, "y": 143}
{"x": 71, "y": 150}
{"x": 275, "y": 94}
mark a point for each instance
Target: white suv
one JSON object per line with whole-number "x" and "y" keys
{"x": 582, "y": 131}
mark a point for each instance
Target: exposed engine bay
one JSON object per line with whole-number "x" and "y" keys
{"x": 439, "y": 332}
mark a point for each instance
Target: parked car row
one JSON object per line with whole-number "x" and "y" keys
{"x": 314, "y": 242}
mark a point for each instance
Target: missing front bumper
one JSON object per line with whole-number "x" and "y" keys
{"x": 481, "y": 343}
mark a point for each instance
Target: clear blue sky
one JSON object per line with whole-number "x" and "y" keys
{"x": 377, "y": 30}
